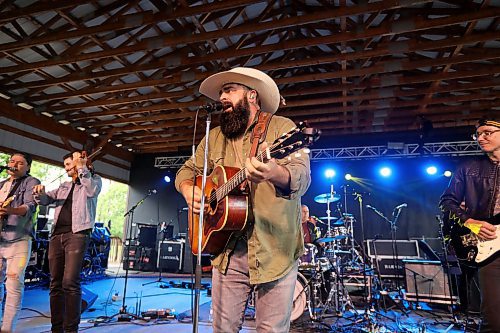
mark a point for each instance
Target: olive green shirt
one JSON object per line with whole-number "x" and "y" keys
{"x": 274, "y": 229}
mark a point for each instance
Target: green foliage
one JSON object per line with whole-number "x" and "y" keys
{"x": 111, "y": 204}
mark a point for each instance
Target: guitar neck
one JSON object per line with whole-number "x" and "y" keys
{"x": 234, "y": 181}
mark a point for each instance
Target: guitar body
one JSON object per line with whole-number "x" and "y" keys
{"x": 469, "y": 247}
{"x": 223, "y": 217}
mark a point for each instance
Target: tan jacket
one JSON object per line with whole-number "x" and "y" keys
{"x": 274, "y": 228}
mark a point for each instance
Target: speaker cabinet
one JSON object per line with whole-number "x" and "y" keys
{"x": 426, "y": 281}
{"x": 139, "y": 258}
{"x": 170, "y": 256}
{"x": 88, "y": 299}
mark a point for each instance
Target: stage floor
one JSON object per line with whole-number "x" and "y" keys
{"x": 172, "y": 294}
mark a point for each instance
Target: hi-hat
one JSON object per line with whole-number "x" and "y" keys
{"x": 326, "y": 197}
{"x": 331, "y": 219}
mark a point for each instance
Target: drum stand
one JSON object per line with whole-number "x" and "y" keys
{"x": 338, "y": 296}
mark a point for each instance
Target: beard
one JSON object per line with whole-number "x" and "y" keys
{"x": 233, "y": 124}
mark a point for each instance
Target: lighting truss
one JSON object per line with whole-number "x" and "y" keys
{"x": 458, "y": 148}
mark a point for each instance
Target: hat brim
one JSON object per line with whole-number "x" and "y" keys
{"x": 265, "y": 86}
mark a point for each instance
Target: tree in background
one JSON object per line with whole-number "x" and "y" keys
{"x": 111, "y": 206}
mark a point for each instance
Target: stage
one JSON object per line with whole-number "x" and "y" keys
{"x": 171, "y": 299}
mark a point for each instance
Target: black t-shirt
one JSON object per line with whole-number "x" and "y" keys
{"x": 64, "y": 223}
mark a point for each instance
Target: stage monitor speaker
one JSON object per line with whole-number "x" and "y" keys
{"x": 426, "y": 281}
{"x": 170, "y": 256}
{"x": 88, "y": 299}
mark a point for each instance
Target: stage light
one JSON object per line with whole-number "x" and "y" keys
{"x": 329, "y": 173}
{"x": 432, "y": 170}
{"x": 348, "y": 176}
{"x": 385, "y": 172}
{"x": 447, "y": 173}
{"x": 167, "y": 179}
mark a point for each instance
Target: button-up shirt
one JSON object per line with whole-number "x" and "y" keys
{"x": 274, "y": 229}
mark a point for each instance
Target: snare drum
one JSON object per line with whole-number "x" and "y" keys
{"x": 308, "y": 259}
{"x": 324, "y": 264}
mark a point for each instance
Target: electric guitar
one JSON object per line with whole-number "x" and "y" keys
{"x": 468, "y": 246}
{"x": 227, "y": 205}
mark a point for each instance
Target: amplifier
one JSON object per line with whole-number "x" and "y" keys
{"x": 388, "y": 268}
{"x": 383, "y": 248}
{"x": 426, "y": 281}
{"x": 170, "y": 256}
{"x": 139, "y": 258}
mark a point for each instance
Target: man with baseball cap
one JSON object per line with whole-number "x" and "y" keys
{"x": 476, "y": 183}
{"x": 263, "y": 256}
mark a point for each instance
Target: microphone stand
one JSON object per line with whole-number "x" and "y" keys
{"x": 130, "y": 214}
{"x": 198, "y": 271}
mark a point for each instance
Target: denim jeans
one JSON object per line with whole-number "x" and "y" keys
{"x": 489, "y": 280}
{"x": 273, "y": 300}
{"x": 66, "y": 253}
{"x": 14, "y": 258}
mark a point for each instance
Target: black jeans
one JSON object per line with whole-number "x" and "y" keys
{"x": 489, "y": 280}
{"x": 66, "y": 253}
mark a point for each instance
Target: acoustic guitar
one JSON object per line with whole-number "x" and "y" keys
{"x": 4, "y": 204}
{"x": 227, "y": 205}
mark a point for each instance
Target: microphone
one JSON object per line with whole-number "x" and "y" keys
{"x": 368, "y": 206}
{"x": 212, "y": 107}
{"x": 5, "y": 167}
{"x": 401, "y": 206}
{"x": 153, "y": 191}
{"x": 183, "y": 209}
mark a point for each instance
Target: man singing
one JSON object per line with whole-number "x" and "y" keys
{"x": 263, "y": 257}
{"x": 17, "y": 208}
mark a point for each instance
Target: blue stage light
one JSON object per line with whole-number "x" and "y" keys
{"x": 329, "y": 173}
{"x": 348, "y": 176}
{"x": 447, "y": 173}
{"x": 431, "y": 170}
{"x": 167, "y": 179}
{"x": 385, "y": 171}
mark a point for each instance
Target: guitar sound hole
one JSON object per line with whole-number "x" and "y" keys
{"x": 213, "y": 203}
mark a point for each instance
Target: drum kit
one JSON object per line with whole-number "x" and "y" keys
{"x": 319, "y": 287}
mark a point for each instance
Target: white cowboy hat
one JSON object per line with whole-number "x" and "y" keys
{"x": 267, "y": 89}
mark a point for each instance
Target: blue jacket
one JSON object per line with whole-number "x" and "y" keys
{"x": 20, "y": 227}
{"x": 85, "y": 196}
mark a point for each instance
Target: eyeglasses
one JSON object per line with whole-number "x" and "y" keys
{"x": 486, "y": 134}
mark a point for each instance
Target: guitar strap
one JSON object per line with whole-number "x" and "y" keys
{"x": 258, "y": 136}
{"x": 13, "y": 189}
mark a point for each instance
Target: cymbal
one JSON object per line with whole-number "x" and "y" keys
{"x": 331, "y": 239}
{"x": 337, "y": 252}
{"x": 326, "y": 197}
{"x": 336, "y": 223}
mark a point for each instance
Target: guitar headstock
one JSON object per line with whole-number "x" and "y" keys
{"x": 297, "y": 138}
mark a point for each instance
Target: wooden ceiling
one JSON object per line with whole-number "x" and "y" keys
{"x": 124, "y": 74}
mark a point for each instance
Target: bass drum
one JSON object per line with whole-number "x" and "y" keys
{"x": 301, "y": 296}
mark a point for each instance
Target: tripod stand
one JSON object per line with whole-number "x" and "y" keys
{"x": 124, "y": 315}
{"x": 163, "y": 231}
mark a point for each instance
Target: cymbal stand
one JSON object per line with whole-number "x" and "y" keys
{"x": 338, "y": 296}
